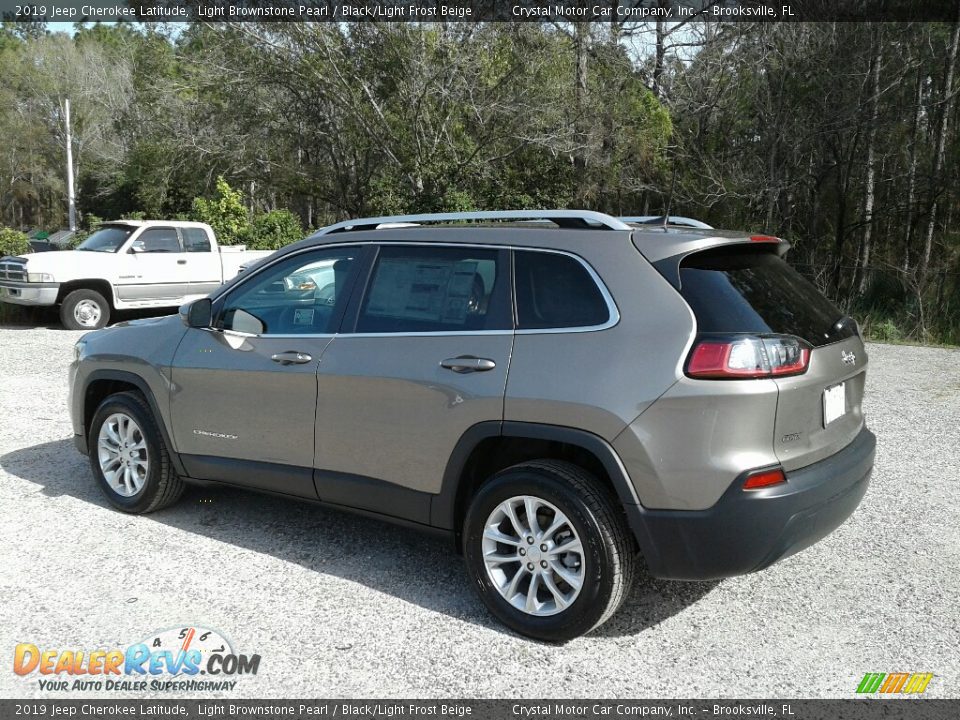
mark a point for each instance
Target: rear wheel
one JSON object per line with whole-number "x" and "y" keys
{"x": 129, "y": 457}
{"x": 548, "y": 550}
{"x": 84, "y": 310}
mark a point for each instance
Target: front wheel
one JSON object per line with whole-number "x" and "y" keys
{"x": 548, "y": 549}
{"x": 84, "y": 310}
{"x": 129, "y": 457}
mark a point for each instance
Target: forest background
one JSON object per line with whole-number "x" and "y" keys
{"x": 840, "y": 137}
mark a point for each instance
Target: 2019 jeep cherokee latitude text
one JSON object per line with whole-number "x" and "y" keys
{"x": 565, "y": 401}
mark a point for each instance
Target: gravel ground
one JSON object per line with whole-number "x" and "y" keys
{"x": 339, "y": 606}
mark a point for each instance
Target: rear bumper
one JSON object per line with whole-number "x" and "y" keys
{"x": 20, "y": 293}
{"x": 747, "y": 531}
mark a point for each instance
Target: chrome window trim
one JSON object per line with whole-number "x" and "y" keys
{"x": 436, "y": 333}
{"x": 612, "y": 310}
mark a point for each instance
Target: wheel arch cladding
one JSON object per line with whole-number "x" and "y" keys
{"x": 489, "y": 447}
{"x": 101, "y": 384}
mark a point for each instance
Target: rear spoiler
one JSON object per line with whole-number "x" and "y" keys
{"x": 669, "y": 267}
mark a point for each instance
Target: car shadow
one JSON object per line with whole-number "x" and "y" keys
{"x": 324, "y": 540}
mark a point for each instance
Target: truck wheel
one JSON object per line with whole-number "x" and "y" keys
{"x": 84, "y": 310}
{"x": 548, "y": 549}
{"x": 129, "y": 458}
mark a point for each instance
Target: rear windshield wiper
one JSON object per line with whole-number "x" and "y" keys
{"x": 845, "y": 321}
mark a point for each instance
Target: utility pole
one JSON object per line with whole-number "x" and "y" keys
{"x": 71, "y": 199}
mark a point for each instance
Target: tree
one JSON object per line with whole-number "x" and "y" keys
{"x": 225, "y": 213}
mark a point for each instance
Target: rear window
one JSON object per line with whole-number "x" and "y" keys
{"x": 732, "y": 291}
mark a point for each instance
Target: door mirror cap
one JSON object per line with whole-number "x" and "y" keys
{"x": 138, "y": 247}
{"x": 197, "y": 314}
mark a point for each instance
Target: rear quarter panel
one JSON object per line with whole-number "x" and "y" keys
{"x": 684, "y": 452}
{"x": 600, "y": 381}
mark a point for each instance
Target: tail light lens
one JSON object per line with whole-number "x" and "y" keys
{"x": 747, "y": 357}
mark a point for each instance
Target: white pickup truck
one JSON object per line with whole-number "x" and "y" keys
{"x": 124, "y": 265}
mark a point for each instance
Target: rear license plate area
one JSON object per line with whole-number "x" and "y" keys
{"x": 834, "y": 403}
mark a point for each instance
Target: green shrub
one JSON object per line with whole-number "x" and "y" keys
{"x": 272, "y": 230}
{"x": 885, "y": 331}
{"x": 13, "y": 242}
{"x": 78, "y": 237}
{"x": 91, "y": 221}
{"x": 225, "y": 213}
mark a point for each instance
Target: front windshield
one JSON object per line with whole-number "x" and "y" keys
{"x": 108, "y": 238}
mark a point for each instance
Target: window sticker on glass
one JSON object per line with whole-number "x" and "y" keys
{"x": 303, "y": 316}
{"x": 424, "y": 290}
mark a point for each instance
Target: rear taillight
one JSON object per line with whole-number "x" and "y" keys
{"x": 760, "y": 479}
{"x": 750, "y": 356}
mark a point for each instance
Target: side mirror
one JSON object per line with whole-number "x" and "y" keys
{"x": 137, "y": 246}
{"x": 197, "y": 314}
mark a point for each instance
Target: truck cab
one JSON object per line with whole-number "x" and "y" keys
{"x": 123, "y": 265}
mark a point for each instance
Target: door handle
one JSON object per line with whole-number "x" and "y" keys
{"x": 291, "y": 357}
{"x": 467, "y": 364}
{"x": 181, "y": 262}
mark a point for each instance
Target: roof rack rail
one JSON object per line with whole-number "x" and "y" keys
{"x": 672, "y": 220}
{"x": 562, "y": 218}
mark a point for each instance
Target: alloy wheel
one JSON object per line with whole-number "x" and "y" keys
{"x": 122, "y": 452}
{"x": 533, "y": 555}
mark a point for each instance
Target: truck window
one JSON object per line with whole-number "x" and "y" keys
{"x": 159, "y": 240}
{"x": 195, "y": 239}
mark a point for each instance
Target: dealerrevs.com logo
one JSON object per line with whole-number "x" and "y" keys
{"x": 192, "y": 659}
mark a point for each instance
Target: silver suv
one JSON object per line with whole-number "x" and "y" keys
{"x": 563, "y": 393}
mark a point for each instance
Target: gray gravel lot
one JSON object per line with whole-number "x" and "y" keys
{"x": 340, "y": 606}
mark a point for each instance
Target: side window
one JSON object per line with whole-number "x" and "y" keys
{"x": 195, "y": 239}
{"x": 556, "y": 291}
{"x": 158, "y": 240}
{"x": 436, "y": 289}
{"x": 301, "y": 295}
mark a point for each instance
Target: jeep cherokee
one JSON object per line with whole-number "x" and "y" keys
{"x": 564, "y": 394}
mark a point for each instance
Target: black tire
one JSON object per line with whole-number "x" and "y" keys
{"x": 162, "y": 485}
{"x": 609, "y": 556}
{"x": 71, "y": 319}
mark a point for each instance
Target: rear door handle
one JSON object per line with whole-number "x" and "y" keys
{"x": 291, "y": 357}
{"x": 181, "y": 262}
{"x": 467, "y": 364}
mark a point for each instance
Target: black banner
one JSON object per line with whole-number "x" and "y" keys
{"x": 866, "y": 709}
{"x": 620, "y": 11}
